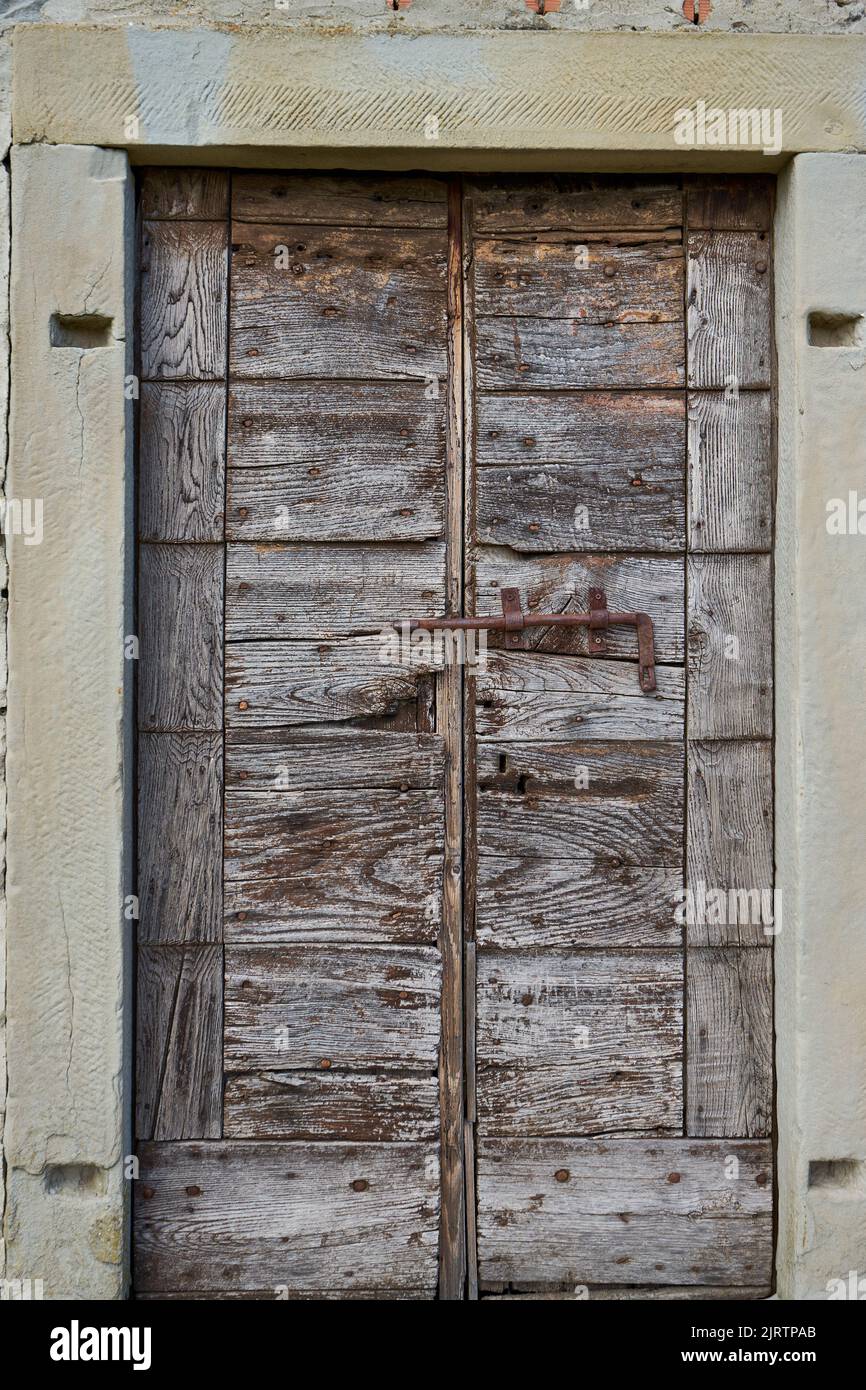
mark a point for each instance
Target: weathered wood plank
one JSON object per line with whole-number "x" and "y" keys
{"x": 338, "y": 865}
{"x": 282, "y": 1294}
{"x": 730, "y": 1042}
{"x": 268, "y": 759}
{"x": 730, "y": 641}
{"x": 561, "y": 583}
{"x": 180, "y": 620}
{"x": 367, "y": 423}
{"x": 730, "y": 471}
{"x": 717, "y": 202}
{"x": 633, "y": 428}
{"x": 644, "y": 829}
{"x": 653, "y": 1211}
{"x": 539, "y": 1009}
{"x": 730, "y": 839}
{"x": 185, "y": 194}
{"x": 522, "y": 695}
{"x": 325, "y": 1216}
{"x": 729, "y": 330}
{"x": 560, "y": 354}
{"x": 524, "y": 902}
{"x": 606, "y": 506}
{"x": 314, "y": 682}
{"x": 180, "y": 837}
{"x": 619, "y": 1293}
{"x": 179, "y": 1052}
{"x": 181, "y": 461}
{"x": 589, "y": 773}
{"x": 612, "y": 1091}
{"x": 359, "y": 200}
{"x": 597, "y": 283}
{"x": 453, "y": 1259}
{"x": 337, "y": 302}
{"x": 184, "y": 278}
{"x": 360, "y": 461}
{"x": 403, "y": 502}
{"x": 573, "y": 203}
{"x": 598, "y": 805}
{"x": 276, "y": 590}
{"x": 304, "y": 1007}
{"x": 332, "y": 1105}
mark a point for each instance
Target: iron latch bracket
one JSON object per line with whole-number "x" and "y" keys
{"x": 599, "y": 618}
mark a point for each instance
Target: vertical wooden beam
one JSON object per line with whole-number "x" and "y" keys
{"x": 729, "y": 978}
{"x": 470, "y": 782}
{"x": 183, "y": 327}
{"x": 452, "y": 1237}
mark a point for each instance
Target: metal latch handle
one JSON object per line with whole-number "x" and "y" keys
{"x": 598, "y": 619}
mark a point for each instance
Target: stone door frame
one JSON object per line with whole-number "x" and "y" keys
{"x": 87, "y": 106}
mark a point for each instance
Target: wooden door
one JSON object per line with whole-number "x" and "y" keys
{"x": 418, "y": 1012}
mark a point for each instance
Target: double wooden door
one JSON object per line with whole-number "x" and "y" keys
{"x": 453, "y": 977}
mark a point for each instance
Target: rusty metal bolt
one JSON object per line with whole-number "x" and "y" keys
{"x": 562, "y": 1175}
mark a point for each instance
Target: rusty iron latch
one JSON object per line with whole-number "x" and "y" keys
{"x": 599, "y": 618}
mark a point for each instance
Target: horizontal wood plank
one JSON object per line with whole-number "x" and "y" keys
{"x": 179, "y": 1048}
{"x": 730, "y": 1042}
{"x": 729, "y": 327}
{"x": 356, "y": 200}
{"x": 730, "y": 471}
{"x": 605, "y": 506}
{"x": 276, "y": 590}
{"x": 305, "y": 1007}
{"x": 525, "y": 901}
{"x": 180, "y": 837}
{"x": 730, "y": 843}
{"x": 717, "y": 202}
{"x": 371, "y": 424}
{"x": 184, "y": 285}
{"x": 337, "y": 302}
{"x": 312, "y": 682}
{"x": 525, "y": 696}
{"x": 597, "y": 283}
{"x": 180, "y": 622}
{"x": 269, "y": 759}
{"x": 325, "y": 1216}
{"x": 572, "y": 203}
{"x": 181, "y": 461}
{"x": 651, "y": 1211}
{"x": 333, "y": 866}
{"x": 613, "y": 1091}
{"x": 561, "y": 583}
{"x": 561, "y": 354}
{"x": 402, "y": 502}
{"x": 545, "y": 1008}
{"x": 282, "y": 1294}
{"x": 621, "y": 1293}
{"x": 632, "y": 428}
{"x": 185, "y": 194}
{"x": 730, "y": 644}
{"x": 621, "y": 804}
{"x": 332, "y": 1105}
